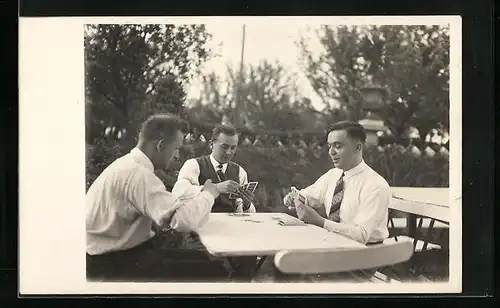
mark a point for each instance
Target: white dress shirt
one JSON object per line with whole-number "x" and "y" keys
{"x": 188, "y": 184}
{"x": 365, "y": 203}
{"x": 127, "y": 197}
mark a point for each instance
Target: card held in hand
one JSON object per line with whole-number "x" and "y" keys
{"x": 250, "y": 187}
{"x": 296, "y": 194}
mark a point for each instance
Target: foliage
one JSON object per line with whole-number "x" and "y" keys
{"x": 132, "y": 71}
{"x": 277, "y": 169}
{"x": 412, "y": 62}
{"x": 268, "y": 99}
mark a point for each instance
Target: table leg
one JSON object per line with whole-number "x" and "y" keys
{"x": 429, "y": 234}
{"x": 244, "y": 268}
{"x": 412, "y": 225}
{"x": 391, "y": 222}
{"x": 427, "y": 239}
{"x": 414, "y": 235}
{"x": 441, "y": 239}
{"x": 259, "y": 264}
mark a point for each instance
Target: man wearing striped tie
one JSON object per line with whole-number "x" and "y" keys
{"x": 355, "y": 197}
{"x": 351, "y": 198}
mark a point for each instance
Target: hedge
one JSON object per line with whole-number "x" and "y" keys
{"x": 276, "y": 169}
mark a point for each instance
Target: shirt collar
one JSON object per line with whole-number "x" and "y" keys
{"x": 215, "y": 163}
{"x": 351, "y": 172}
{"x": 142, "y": 158}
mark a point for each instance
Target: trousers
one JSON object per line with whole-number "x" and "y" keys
{"x": 149, "y": 262}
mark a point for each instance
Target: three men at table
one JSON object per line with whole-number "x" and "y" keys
{"x": 127, "y": 198}
{"x": 350, "y": 199}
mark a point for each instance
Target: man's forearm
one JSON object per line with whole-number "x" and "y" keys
{"x": 356, "y": 233}
{"x": 193, "y": 213}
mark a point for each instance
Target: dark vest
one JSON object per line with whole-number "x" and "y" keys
{"x": 207, "y": 171}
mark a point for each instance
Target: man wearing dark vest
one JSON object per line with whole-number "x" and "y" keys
{"x": 219, "y": 168}
{"x": 227, "y": 177}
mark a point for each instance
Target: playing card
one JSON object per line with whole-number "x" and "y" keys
{"x": 297, "y": 194}
{"x": 249, "y": 187}
{"x": 238, "y": 214}
{"x": 291, "y": 222}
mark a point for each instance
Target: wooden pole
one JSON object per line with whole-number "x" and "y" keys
{"x": 238, "y": 118}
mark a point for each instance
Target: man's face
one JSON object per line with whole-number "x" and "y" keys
{"x": 342, "y": 149}
{"x": 224, "y": 147}
{"x": 170, "y": 150}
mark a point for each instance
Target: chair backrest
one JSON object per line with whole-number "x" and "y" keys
{"x": 342, "y": 260}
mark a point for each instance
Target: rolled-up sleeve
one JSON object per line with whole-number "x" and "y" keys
{"x": 371, "y": 211}
{"x": 315, "y": 192}
{"x": 151, "y": 198}
{"x": 187, "y": 179}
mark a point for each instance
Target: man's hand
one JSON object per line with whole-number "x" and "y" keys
{"x": 227, "y": 187}
{"x": 211, "y": 188}
{"x": 288, "y": 200}
{"x": 308, "y": 215}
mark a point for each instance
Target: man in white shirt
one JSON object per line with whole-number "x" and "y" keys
{"x": 350, "y": 199}
{"x": 127, "y": 198}
{"x": 219, "y": 167}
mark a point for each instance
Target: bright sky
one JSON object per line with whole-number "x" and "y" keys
{"x": 263, "y": 41}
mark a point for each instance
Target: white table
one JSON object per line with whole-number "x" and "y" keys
{"x": 233, "y": 236}
{"x": 433, "y": 203}
{"x": 422, "y": 202}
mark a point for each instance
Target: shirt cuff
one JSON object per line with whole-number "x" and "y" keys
{"x": 208, "y": 196}
{"x": 329, "y": 225}
{"x": 250, "y": 209}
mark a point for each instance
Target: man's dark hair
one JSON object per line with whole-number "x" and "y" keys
{"x": 353, "y": 129}
{"x": 223, "y": 129}
{"x": 162, "y": 126}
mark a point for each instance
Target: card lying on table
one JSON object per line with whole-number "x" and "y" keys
{"x": 249, "y": 187}
{"x": 238, "y": 214}
{"x": 291, "y": 222}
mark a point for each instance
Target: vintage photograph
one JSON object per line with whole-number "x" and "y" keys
{"x": 267, "y": 152}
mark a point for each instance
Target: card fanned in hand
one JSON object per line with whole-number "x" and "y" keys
{"x": 249, "y": 187}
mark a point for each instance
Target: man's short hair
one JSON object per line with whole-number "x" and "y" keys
{"x": 162, "y": 126}
{"x": 223, "y": 129}
{"x": 353, "y": 129}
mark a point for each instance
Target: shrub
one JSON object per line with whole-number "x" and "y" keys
{"x": 99, "y": 155}
{"x": 276, "y": 169}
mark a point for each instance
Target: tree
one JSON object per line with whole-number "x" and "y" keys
{"x": 269, "y": 98}
{"x": 412, "y": 62}
{"x": 132, "y": 71}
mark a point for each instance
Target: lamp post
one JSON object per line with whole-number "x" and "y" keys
{"x": 374, "y": 98}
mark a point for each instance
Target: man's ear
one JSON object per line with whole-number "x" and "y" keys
{"x": 160, "y": 144}
{"x": 359, "y": 147}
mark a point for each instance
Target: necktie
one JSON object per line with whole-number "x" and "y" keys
{"x": 337, "y": 199}
{"x": 220, "y": 174}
